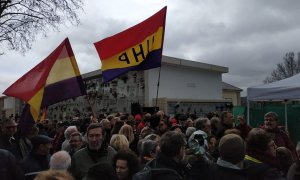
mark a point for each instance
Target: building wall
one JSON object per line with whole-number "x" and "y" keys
{"x": 182, "y": 83}
{"x": 116, "y": 96}
{"x": 234, "y": 96}
{"x": 10, "y": 106}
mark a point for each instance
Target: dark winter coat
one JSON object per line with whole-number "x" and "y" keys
{"x": 33, "y": 164}
{"x": 258, "y": 170}
{"x": 219, "y": 173}
{"x": 163, "y": 161}
{"x": 9, "y": 169}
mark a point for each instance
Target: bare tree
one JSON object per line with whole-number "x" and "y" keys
{"x": 22, "y": 20}
{"x": 289, "y": 67}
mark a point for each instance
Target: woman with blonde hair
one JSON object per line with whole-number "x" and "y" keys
{"x": 119, "y": 142}
{"x": 132, "y": 138}
{"x": 127, "y": 131}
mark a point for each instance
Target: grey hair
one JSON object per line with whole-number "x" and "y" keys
{"x": 60, "y": 160}
{"x": 69, "y": 131}
{"x": 272, "y": 114}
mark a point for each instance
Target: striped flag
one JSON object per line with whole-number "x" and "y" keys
{"x": 137, "y": 48}
{"x": 44, "y": 114}
{"x": 54, "y": 79}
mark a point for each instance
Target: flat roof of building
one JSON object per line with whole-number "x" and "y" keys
{"x": 175, "y": 62}
{"x": 193, "y": 64}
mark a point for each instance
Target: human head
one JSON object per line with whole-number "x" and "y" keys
{"x": 172, "y": 144}
{"x": 212, "y": 143}
{"x": 189, "y": 131}
{"x": 150, "y": 148}
{"x": 76, "y": 140}
{"x": 54, "y": 174}
{"x": 241, "y": 119}
{"x": 271, "y": 120}
{"x": 9, "y": 127}
{"x": 60, "y": 160}
{"x": 105, "y": 123}
{"x": 118, "y": 124}
{"x": 177, "y": 128}
{"x": 127, "y": 131}
{"x": 95, "y": 136}
{"x": 160, "y": 114}
{"x": 41, "y": 144}
{"x": 69, "y": 130}
{"x": 154, "y": 121}
{"x": 102, "y": 169}
{"x": 285, "y": 157}
{"x": 227, "y": 118}
{"x": 204, "y": 125}
{"x": 214, "y": 123}
{"x": 232, "y": 148}
{"x": 119, "y": 142}
{"x": 182, "y": 118}
{"x": 152, "y": 136}
{"x": 189, "y": 123}
{"x": 259, "y": 140}
{"x": 126, "y": 164}
{"x": 164, "y": 125}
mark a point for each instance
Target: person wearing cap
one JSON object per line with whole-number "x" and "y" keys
{"x": 39, "y": 157}
{"x": 7, "y": 139}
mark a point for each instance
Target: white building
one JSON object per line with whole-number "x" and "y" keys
{"x": 184, "y": 86}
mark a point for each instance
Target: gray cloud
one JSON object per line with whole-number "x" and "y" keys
{"x": 249, "y": 37}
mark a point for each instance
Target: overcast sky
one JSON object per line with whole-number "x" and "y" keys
{"x": 248, "y": 37}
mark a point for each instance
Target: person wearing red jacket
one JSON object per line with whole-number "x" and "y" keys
{"x": 280, "y": 137}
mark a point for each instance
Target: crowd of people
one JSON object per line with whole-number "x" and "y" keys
{"x": 148, "y": 146}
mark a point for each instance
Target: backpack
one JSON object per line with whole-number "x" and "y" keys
{"x": 148, "y": 172}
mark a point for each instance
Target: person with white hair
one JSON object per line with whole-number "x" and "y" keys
{"x": 67, "y": 133}
{"x": 60, "y": 160}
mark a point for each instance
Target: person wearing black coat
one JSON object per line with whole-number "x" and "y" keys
{"x": 260, "y": 160}
{"x": 9, "y": 169}
{"x": 230, "y": 164}
{"x": 167, "y": 164}
{"x": 39, "y": 158}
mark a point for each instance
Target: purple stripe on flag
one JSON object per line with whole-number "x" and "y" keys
{"x": 153, "y": 60}
{"x": 63, "y": 90}
{"x": 26, "y": 120}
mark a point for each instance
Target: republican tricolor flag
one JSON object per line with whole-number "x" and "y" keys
{"x": 137, "y": 48}
{"x": 55, "y": 79}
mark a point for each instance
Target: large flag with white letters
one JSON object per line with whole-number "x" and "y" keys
{"x": 137, "y": 48}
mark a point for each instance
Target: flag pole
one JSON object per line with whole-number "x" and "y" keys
{"x": 88, "y": 98}
{"x": 157, "y": 88}
{"x": 92, "y": 108}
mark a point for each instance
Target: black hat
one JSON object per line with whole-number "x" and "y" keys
{"x": 40, "y": 139}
